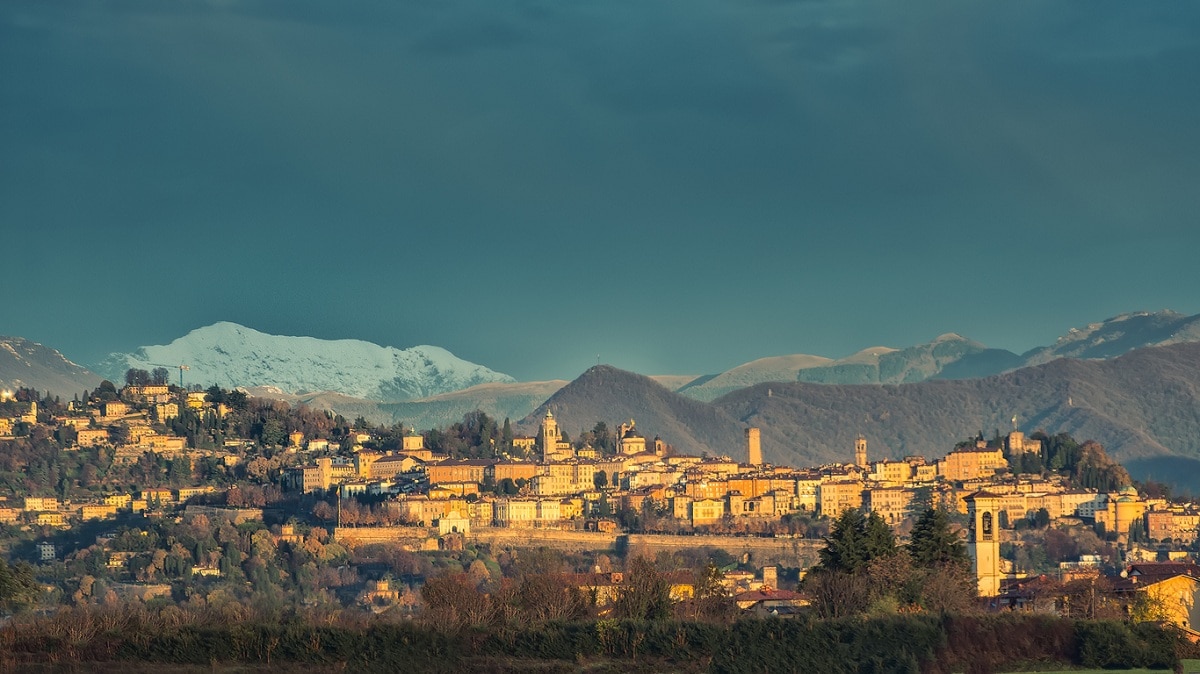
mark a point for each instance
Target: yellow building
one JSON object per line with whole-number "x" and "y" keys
{"x": 890, "y": 503}
{"x": 185, "y": 493}
{"x": 1163, "y": 592}
{"x": 97, "y": 511}
{"x": 891, "y": 473}
{"x": 1120, "y": 511}
{"x": 36, "y": 503}
{"x": 515, "y": 512}
{"x": 166, "y": 411}
{"x": 629, "y": 440}
{"x": 1175, "y": 524}
{"x": 838, "y": 497}
{"x": 971, "y": 464}
{"x": 118, "y": 500}
{"x": 706, "y": 511}
{"x": 457, "y": 470}
{"x": 113, "y": 409}
{"x": 51, "y": 519}
{"x": 524, "y": 444}
{"x": 512, "y": 470}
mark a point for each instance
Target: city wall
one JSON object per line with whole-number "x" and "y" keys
{"x": 792, "y": 552}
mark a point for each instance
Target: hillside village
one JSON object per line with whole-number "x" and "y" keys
{"x": 336, "y": 489}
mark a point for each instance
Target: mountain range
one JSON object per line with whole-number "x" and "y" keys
{"x": 1129, "y": 382}
{"x": 1144, "y": 407}
{"x": 28, "y": 364}
{"x": 952, "y": 356}
{"x": 230, "y": 355}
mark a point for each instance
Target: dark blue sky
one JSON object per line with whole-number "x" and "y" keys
{"x": 678, "y": 186}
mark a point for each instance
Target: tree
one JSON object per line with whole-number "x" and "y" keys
{"x": 933, "y": 544}
{"x": 645, "y": 595}
{"x": 711, "y": 602}
{"x": 17, "y": 585}
{"x": 159, "y": 376}
{"x": 1041, "y": 519}
{"x": 105, "y": 392}
{"x": 855, "y": 540}
{"x": 600, "y": 479}
{"x": 137, "y": 377}
{"x": 836, "y": 594}
{"x": 451, "y": 600}
{"x": 506, "y": 435}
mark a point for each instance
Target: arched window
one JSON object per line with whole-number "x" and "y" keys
{"x": 987, "y": 526}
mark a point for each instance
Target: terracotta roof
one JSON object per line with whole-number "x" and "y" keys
{"x": 767, "y": 594}
{"x": 1161, "y": 570}
{"x": 981, "y": 494}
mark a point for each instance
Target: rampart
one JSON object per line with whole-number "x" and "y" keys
{"x": 792, "y": 552}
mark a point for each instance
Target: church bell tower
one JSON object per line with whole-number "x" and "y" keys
{"x": 983, "y": 541}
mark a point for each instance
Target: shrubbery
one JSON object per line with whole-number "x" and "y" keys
{"x": 904, "y": 643}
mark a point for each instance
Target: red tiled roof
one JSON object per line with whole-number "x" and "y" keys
{"x": 768, "y": 594}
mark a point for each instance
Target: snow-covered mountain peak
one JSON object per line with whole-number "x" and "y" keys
{"x": 232, "y": 355}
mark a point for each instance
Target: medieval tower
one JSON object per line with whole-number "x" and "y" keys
{"x": 860, "y": 452}
{"x": 753, "y": 447}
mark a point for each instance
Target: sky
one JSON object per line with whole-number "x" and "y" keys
{"x": 669, "y": 186}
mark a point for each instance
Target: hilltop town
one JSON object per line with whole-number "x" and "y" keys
{"x": 152, "y": 490}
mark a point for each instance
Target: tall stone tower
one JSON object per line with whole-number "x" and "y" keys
{"x": 550, "y": 436}
{"x": 753, "y": 447}
{"x": 860, "y": 452}
{"x": 983, "y": 541}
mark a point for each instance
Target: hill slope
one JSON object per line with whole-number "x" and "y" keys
{"x": 29, "y": 364}
{"x": 604, "y": 393}
{"x": 231, "y": 355}
{"x": 1142, "y": 406}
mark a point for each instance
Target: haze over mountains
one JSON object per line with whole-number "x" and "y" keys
{"x": 28, "y": 364}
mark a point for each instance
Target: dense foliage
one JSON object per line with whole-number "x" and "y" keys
{"x": 891, "y": 644}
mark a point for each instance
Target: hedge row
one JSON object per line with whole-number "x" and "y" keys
{"x": 975, "y": 644}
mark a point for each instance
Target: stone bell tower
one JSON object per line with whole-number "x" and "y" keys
{"x": 983, "y": 541}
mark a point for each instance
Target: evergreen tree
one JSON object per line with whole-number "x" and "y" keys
{"x": 933, "y": 544}
{"x": 855, "y": 541}
{"x": 878, "y": 539}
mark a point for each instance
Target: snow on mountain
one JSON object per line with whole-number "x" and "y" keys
{"x": 874, "y": 365}
{"x": 232, "y": 355}
{"x": 1120, "y": 334}
{"x": 29, "y": 364}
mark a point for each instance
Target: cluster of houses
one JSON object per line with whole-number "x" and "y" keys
{"x": 55, "y": 512}
{"x": 573, "y": 487}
